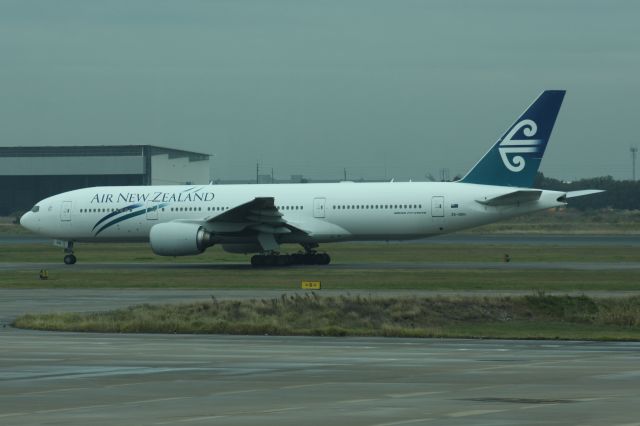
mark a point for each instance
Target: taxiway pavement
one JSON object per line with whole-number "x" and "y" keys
{"x": 561, "y": 265}
{"x": 70, "y": 378}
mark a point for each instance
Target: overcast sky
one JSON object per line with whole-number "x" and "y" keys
{"x": 384, "y": 88}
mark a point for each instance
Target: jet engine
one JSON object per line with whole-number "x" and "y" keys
{"x": 179, "y": 239}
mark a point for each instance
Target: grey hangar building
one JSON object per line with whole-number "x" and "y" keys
{"x": 29, "y": 174}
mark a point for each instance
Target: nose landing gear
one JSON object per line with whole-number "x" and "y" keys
{"x": 69, "y": 257}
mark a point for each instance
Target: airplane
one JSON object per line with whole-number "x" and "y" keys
{"x": 186, "y": 220}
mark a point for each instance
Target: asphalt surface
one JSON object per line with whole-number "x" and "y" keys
{"x": 68, "y": 378}
{"x": 577, "y": 266}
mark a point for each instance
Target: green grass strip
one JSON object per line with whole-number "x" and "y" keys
{"x": 538, "y": 316}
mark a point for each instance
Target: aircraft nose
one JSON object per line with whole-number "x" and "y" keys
{"x": 25, "y": 220}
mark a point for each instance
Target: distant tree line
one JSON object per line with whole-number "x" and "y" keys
{"x": 620, "y": 194}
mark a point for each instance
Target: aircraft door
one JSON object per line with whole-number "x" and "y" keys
{"x": 152, "y": 211}
{"x": 65, "y": 211}
{"x": 437, "y": 206}
{"x": 318, "y": 207}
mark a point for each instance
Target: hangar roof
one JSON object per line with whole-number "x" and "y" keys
{"x": 85, "y": 160}
{"x": 98, "y": 151}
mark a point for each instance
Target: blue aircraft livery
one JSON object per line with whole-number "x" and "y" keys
{"x": 514, "y": 160}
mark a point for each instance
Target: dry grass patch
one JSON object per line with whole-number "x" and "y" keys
{"x": 535, "y": 316}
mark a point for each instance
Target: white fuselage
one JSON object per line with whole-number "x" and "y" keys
{"x": 328, "y": 212}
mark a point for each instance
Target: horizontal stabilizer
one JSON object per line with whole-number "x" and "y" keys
{"x": 574, "y": 194}
{"x": 515, "y": 197}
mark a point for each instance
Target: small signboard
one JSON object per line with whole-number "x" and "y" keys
{"x": 311, "y": 285}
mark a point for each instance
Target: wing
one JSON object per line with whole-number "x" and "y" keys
{"x": 260, "y": 215}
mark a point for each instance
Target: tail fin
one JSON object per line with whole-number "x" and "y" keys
{"x": 515, "y": 158}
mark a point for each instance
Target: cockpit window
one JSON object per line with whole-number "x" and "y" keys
{"x": 35, "y": 209}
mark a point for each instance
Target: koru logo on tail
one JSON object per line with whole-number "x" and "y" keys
{"x": 510, "y": 146}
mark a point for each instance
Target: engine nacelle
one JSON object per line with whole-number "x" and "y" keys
{"x": 178, "y": 239}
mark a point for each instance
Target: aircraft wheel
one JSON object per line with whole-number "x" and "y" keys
{"x": 69, "y": 259}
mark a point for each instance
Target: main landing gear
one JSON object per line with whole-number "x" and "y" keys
{"x": 312, "y": 258}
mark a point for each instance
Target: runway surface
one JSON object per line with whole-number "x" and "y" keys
{"x": 67, "y": 378}
{"x": 578, "y": 266}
